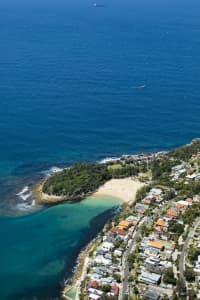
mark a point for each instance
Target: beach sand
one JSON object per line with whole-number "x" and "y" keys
{"x": 124, "y": 189}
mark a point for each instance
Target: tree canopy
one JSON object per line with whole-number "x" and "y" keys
{"x": 79, "y": 180}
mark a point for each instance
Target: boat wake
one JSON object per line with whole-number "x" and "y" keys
{"x": 138, "y": 87}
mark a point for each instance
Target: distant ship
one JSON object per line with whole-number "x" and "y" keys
{"x": 98, "y": 5}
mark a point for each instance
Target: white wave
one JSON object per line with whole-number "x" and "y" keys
{"x": 24, "y": 206}
{"x": 108, "y": 159}
{"x": 23, "y": 191}
{"x": 33, "y": 202}
{"x": 51, "y": 171}
{"x": 25, "y": 196}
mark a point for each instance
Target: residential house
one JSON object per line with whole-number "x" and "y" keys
{"x": 92, "y": 284}
{"x": 172, "y": 213}
{"x": 154, "y": 244}
{"x": 161, "y": 225}
{"x": 114, "y": 290}
{"x": 141, "y": 208}
{"x": 107, "y": 246}
{"x": 101, "y": 260}
{"x": 149, "y": 278}
{"x": 152, "y": 294}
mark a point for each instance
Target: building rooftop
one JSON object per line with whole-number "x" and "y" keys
{"x": 161, "y": 223}
{"x": 155, "y": 244}
{"x": 151, "y": 294}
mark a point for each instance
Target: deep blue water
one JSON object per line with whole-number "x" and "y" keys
{"x": 79, "y": 82}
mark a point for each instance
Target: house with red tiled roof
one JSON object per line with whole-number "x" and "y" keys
{"x": 172, "y": 213}
{"x": 92, "y": 284}
{"x": 114, "y": 290}
{"x": 118, "y": 231}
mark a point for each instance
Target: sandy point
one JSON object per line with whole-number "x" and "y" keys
{"x": 124, "y": 189}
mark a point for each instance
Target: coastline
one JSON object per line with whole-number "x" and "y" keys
{"x": 80, "y": 267}
{"x": 112, "y": 188}
{"x": 124, "y": 189}
{"x": 81, "y": 264}
{"x": 43, "y": 198}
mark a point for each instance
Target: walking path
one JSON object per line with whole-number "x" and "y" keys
{"x": 83, "y": 275}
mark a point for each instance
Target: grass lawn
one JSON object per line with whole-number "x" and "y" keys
{"x": 114, "y": 167}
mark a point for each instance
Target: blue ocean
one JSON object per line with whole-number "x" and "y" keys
{"x": 83, "y": 80}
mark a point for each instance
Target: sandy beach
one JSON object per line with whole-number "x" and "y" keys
{"x": 124, "y": 189}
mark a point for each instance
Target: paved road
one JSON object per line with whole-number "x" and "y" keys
{"x": 125, "y": 266}
{"x": 185, "y": 248}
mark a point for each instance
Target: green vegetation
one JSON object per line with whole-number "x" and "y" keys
{"x": 141, "y": 193}
{"x": 161, "y": 170}
{"x": 123, "y": 171}
{"x": 169, "y": 276}
{"x": 191, "y": 294}
{"x": 191, "y": 189}
{"x": 106, "y": 288}
{"x": 132, "y": 258}
{"x": 175, "y": 227}
{"x": 71, "y": 293}
{"x": 186, "y": 152}
{"x": 114, "y": 167}
{"x": 78, "y": 181}
{"x": 192, "y": 212}
{"x": 189, "y": 274}
{"x": 193, "y": 254}
{"x": 84, "y": 178}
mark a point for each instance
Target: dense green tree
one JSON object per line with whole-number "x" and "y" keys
{"x": 169, "y": 276}
{"x": 106, "y": 288}
{"x": 185, "y": 152}
{"x": 176, "y": 227}
{"x": 189, "y": 274}
{"x": 193, "y": 254}
{"x": 141, "y": 193}
{"x": 180, "y": 287}
{"x": 77, "y": 181}
{"x": 191, "y": 294}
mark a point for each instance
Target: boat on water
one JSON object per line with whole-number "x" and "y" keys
{"x": 98, "y": 5}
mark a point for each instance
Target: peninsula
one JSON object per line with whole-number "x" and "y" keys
{"x": 83, "y": 179}
{"x": 120, "y": 177}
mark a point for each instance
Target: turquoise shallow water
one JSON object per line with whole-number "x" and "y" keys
{"x": 40, "y": 249}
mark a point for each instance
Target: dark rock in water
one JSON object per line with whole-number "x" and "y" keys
{"x": 63, "y": 217}
{"x": 39, "y": 225}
